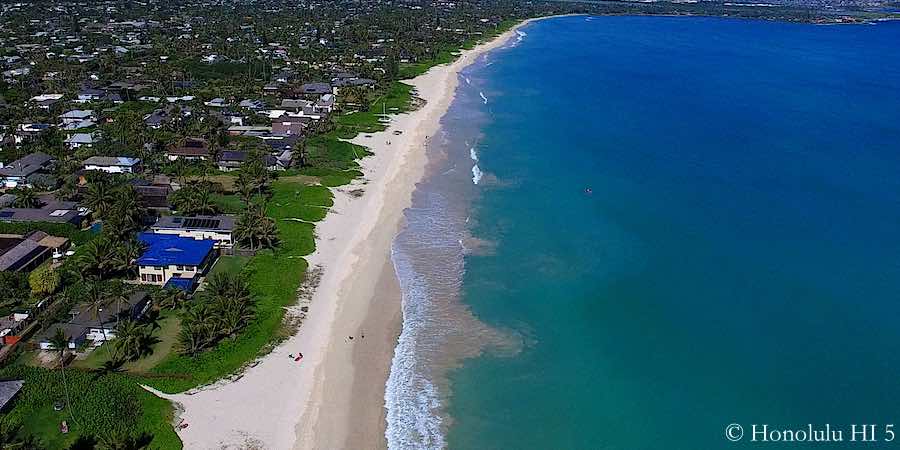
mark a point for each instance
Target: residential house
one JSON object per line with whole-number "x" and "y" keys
{"x": 156, "y": 119}
{"x": 88, "y": 324}
{"x": 315, "y": 89}
{"x": 172, "y": 260}
{"x": 76, "y": 335}
{"x": 248, "y": 130}
{"x": 28, "y": 131}
{"x": 8, "y": 391}
{"x": 153, "y": 195}
{"x": 217, "y": 228}
{"x": 54, "y": 212}
{"x": 252, "y": 104}
{"x": 297, "y": 105}
{"x": 113, "y": 164}
{"x": 22, "y": 171}
{"x": 88, "y": 95}
{"x": 190, "y": 149}
{"x": 216, "y": 103}
{"x": 76, "y": 116}
{"x": 79, "y": 140}
{"x": 24, "y": 253}
{"x": 45, "y": 101}
{"x": 325, "y": 104}
{"x": 347, "y": 79}
{"x": 287, "y": 127}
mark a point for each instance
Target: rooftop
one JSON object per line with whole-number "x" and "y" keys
{"x": 217, "y": 223}
{"x": 122, "y": 161}
{"x": 170, "y": 249}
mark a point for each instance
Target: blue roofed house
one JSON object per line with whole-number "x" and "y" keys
{"x": 172, "y": 260}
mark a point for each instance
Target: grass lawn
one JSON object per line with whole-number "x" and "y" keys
{"x": 229, "y": 264}
{"x": 169, "y": 326}
{"x": 274, "y": 278}
{"x": 228, "y": 203}
{"x": 102, "y": 406}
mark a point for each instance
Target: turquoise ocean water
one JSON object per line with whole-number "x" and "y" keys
{"x": 737, "y": 259}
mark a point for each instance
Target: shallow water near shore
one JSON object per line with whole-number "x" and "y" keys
{"x": 733, "y": 261}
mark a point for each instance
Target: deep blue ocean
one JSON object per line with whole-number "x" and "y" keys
{"x": 736, "y": 261}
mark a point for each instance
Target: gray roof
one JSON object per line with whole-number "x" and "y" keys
{"x": 295, "y": 103}
{"x": 80, "y": 138}
{"x": 8, "y": 390}
{"x": 58, "y": 212}
{"x": 22, "y": 253}
{"x": 26, "y": 165}
{"x": 316, "y": 88}
{"x": 211, "y": 223}
{"x": 122, "y": 161}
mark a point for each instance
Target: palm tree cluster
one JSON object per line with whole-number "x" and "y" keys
{"x": 133, "y": 341}
{"x": 25, "y": 198}
{"x": 254, "y": 230}
{"x": 224, "y": 307}
{"x": 195, "y": 198}
{"x": 253, "y": 179}
{"x": 115, "y": 202}
{"x": 104, "y": 257}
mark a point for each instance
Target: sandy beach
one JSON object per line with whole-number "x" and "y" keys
{"x": 334, "y": 398}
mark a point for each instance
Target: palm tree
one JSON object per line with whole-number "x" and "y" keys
{"x": 99, "y": 300}
{"x": 26, "y": 198}
{"x": 133, "y": 340}
{"x": 59, "y": 342}
{"x": 245, "y": 188}
{"x": 100, "y": 197}
{"x": 254, "y": 230}
{"x": 173, "y": 298}
{"x": 193, "y": 199}
{"x": 97, "y": 259}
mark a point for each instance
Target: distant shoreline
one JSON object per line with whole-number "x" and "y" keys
{"x": 348, "y": 411}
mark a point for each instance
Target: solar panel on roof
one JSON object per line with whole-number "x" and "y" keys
{"x": 193, "y": 222}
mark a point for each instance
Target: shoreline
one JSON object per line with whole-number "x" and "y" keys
{"x": 334, "y": 398}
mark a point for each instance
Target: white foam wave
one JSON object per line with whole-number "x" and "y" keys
{"x": 476, "y": 174}
{"x": 473, "y": 154}
{"x": 411, "y": 400}
{"x": 521, "y": 34}
{"x": 468, "y": 81}
{"x": 483, "y": 97}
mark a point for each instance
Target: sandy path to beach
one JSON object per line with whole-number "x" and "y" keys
{"x": 334, "y": 398}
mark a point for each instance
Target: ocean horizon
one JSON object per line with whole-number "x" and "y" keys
{"x": 637, "y": 231}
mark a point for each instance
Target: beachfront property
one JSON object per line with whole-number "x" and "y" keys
{"x": 23, "y": 171}
{"x": 174, "y": 261}
{"x": 220, "y": 229}
{"x": 112, "y": 164}
{"x": 86, "y": 323}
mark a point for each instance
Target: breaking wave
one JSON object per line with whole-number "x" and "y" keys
{"x": 477, "y": 175}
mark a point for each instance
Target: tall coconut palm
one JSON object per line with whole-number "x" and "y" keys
{"x": 99, "y": 300}
{"x": 60, "y": 343}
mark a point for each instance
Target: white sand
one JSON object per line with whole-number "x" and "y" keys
{"x": 334, "y": 397}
